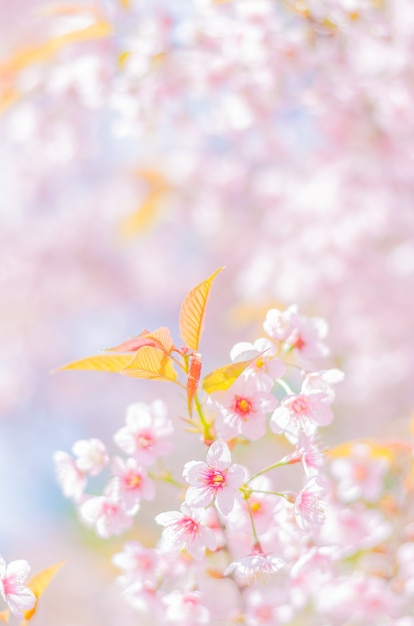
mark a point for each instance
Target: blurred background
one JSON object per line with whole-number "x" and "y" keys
{"x": 145, "y": 143}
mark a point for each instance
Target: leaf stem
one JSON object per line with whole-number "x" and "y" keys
{"x": 268, "y": 469}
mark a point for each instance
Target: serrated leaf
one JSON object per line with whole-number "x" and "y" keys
{"x": 159, "y": 338}
{"x": 151, "y": 363}
{"x": 100, "y": 363}
{"x": 38, "y": 584}
{"x": 193, "y": 311}
{"x": 193, "y": 378}
{"x": 223, "y": 377}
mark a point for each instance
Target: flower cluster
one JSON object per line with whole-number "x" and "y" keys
{"x": 235, "y": 525}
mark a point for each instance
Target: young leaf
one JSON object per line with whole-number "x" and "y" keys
{"x": 193, "y": 311}
{"x": 223, "y": 377}
{"x": 38, "y": 584}
{"x": 100, "y": 363}
{"x": 193, "y": 378}
{"x": 159, "y": 338}
{"x": 150, "y": 362}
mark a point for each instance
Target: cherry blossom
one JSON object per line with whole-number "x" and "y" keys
{"x": 266, "y": 368}
{"x": 186, "y": 529}
{"x": 131, "y": 482}
{"x": 216, "y": 480}
{"x": 140, "y": 565}
{"x": 260, "y": 507}
{"x": 185, "y": 608}
{"x": 256, "y": 567}
{"x": 243, "y": 409}
{"x": 268, "y": 606}
{"x": 107, "y": 514}
{"x": 311, "y": 504}
{"x": 13, "y": 588}
{"x": 91, "y": 455}
{"x": 71, "y": 479}
{"x": 359, "y": 475}
{"x": 295, "y": 331}
{"x": 322, "y": 381}
{"x": 147, "y": 432}
{"x": 301, "y": 413}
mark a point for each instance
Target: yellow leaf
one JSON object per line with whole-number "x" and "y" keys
{"x": 4, "y": 616}
{"x": 123, "y": 58}
{"x": 44, "y": 51}
{"x": 223, "y": 377}
{"x": 145, "y": 217}
{"x": 162, "y": 335}
{"x": 147, "y": 213}
{"x": 100, "y": 363}
{"x": 193, "y": 311}
{"x": 151, "y": 363}
{"x": 38, "y": 584}
{"x": 389, "y": 450}
{"x": 8, "y": 98}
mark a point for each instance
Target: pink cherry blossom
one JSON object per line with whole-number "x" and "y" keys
{"x": 217, "y": 480}
{"x": 353, "y": 528}
{"x": 71, "y": 479}
{"x": 258, "y": 566}
{"x": 107, "y": 514}
{"x": 186, "y": 609}
{"x": 243, "y": 409}
{"x": 13, "y": 588}
{"x": 322, "y": 381}
{"x": 311, "y": 504}
{"x": 301, "y": 413}
{"x": 131, "y": 482}
{"x": 280, "y": 324}
{"x": 186, "y": 529}
{"x": 405, "y": 560}
{"x": 147, "y": 432}
{"x": 308, "y": 453}
{"x": 91, "y": 455}
{"x": 303, "y": 334}
{"x": 260, "y": 507}
{"x": 268, "y": 606}
{"x": 359, "y": 475}
{"x": 266, "y": 368}
{"x": 139, "y": 564}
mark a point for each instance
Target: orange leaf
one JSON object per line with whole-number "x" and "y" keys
{"x": 159, "y": 338}
{"x": 193, "y": 311}
{"x": 38, "y": 584}
{"x": 162, "y": 335}
{"x": 100, "y": 363}
{"x": 193, "y": 378}
{"x": 223, "y": 377}
{"x": 151, "y": 363}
